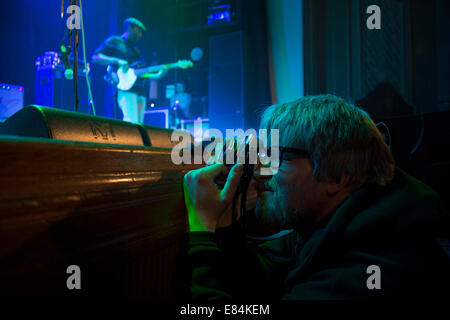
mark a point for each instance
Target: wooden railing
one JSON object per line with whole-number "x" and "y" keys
{"x": 115, "y": 211}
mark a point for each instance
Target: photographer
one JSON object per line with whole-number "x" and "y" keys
{"x": 350, "y": 208}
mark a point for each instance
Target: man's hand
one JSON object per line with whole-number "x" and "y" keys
{"x": 205, "y": 202}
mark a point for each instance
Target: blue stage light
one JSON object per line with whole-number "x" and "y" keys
{"x": 218, "y": 14}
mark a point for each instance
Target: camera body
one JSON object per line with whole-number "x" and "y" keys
{"x": 242, "y": 151}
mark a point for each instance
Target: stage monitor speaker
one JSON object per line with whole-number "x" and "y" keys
{"x": 41, "y": 122}
{"x": 11, "y": 100}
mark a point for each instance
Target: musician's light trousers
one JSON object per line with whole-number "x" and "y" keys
{"x": 132, "y": 105}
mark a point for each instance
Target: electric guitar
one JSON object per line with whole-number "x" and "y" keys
{"x": 124, "y": 79}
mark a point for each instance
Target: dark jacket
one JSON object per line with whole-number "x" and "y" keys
{"x": 392, "y": 227}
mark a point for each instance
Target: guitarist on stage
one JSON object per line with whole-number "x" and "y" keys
{"x": 120, "y": 51}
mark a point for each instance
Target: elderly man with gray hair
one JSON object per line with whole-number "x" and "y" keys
{"x": 361, "y": 228}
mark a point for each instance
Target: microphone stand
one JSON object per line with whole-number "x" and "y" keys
{"x": 75, "y": 62}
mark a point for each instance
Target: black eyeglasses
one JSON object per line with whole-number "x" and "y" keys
{"x": 285, "y": 153}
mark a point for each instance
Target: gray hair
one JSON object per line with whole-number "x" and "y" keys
{"x": 340, "y": 138}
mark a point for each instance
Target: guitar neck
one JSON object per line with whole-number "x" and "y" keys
{"x": 151, "y": 69}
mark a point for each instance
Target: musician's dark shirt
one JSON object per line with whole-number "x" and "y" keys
{"x": 118, "y": 47}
